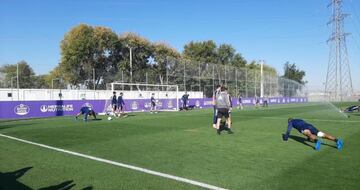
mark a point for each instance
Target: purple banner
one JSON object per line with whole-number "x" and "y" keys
{"x": 32, "y": 109}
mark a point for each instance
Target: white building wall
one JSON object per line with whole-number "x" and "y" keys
{"x": 53, "y": 94}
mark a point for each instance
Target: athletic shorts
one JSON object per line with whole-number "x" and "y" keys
{"x": 312, "y": 129}
{"x": 222, "y": 112}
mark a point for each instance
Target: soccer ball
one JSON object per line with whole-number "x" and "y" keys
{"x": 109, "y": 118}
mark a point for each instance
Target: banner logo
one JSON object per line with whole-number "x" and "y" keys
{"x": 134, "y": 105}
{"x": 147, "y": 104}
{"x": 197, "y": 103}
{"x": 21, "y": 109}
{"x": 57, "y": 108}
{"x": 43, "y": 108}
{"x": 170, "y": 104}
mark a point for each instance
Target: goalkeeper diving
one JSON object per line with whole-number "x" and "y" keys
{"x": 86, "y": 111}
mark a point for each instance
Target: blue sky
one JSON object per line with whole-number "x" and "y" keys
{"x": 274, "y": 30}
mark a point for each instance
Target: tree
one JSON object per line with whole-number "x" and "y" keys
{"x": 208, "y": 52}
{"x": 141, "y": 50}
{"x": 238, "y": 61}
{"x": 225, "y": 54}
{"x": 107, "y": 55}
{"x": 162, "y": 54}
{"x": 41, "y": 82}
{"x": 26, "y": 75}
{"x": 85, "y": 48}
{"x": 292, "y": 73}
{"x": 49, "y": 79}
{"x": 205, "y": 52}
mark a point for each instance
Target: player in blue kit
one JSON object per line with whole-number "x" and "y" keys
{"x": 86, "y": 111}
{"x": 153, "y": 104}
{"x": 311, "y": 132}
{"x": 114, "y": 103}
{"x": 121, "y": 104}
{"x": 240, "y": 106}
{"x": 352, "y": 109}
{"x": 185, "y": 99}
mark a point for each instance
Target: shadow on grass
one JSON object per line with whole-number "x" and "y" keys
{"x": 14, "y": 124}
{"x": 128, "y": 115}
{"x": 305, "y": 141}
{"x": 301, "y": 140}
{"x": 9, "y": 181}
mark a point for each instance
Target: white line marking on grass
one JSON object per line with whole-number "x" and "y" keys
{"x": 164, "y": 175}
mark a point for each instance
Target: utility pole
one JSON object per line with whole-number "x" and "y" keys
{"x": 94, "y": 82}
{"x": 338, "y": 79}
{"x": 131, "y": 67}
{"x": 12, "y": 94}
{"x": 261, "y": 78}
{"x": 17, "y": 80}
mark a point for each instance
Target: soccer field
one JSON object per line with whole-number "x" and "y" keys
{"x": 182, "y": 144}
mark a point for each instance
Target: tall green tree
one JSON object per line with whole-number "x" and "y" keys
{"x": 209, "y": 52}
{"x": 225, "y": 54}
{"x": 141, "y": 51}
{"x": 293, "y": 73}
{"x": 205, "y": 52}
{"x": 85, "y": 48}
{"x": 162, "y": 55}
{"x": 26, "y": 75}
{"x": 40, "y": 81}
{"x": 238, "y": 61}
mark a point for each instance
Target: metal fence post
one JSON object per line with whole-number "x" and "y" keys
{"x": 213, "y": 77}
{"x": 199, "y": 78}
{"x": 236, "y": 85}
{"x": 246, "y": 83}
{"x": 255, "y": 81}
{"x": 184, "y": 77}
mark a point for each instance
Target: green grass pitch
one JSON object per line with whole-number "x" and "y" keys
{"x": 185, "y": 145}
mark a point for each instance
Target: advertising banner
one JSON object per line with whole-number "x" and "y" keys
{"x": 35, "y": 109}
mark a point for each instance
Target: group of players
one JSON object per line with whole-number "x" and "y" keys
{"x": 223, "y": 106}
{"x": 222, "y": 110}
{"x": 117, "y": 105}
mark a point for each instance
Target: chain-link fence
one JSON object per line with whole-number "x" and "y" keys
{"x": 195, "y": 76}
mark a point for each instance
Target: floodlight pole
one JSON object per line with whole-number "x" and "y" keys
{"x": 261, "y": 78}
{"x": 131, "y": 68}
{"x": 52, "y": 87}
{"x": 17, "y": 80}
{"x": 12, "y": 95}
{"x": 199, "y": 78}
{"x": 236, "y": 84}
{"x": 213, "y": 77}
{"x": 246, "y": 82}
{"x": 94, "y": 81}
